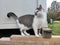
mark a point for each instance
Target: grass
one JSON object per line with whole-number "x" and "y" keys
{"x": 56, "y": 28}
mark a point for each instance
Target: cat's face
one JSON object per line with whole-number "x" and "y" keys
{"x": 40, "y": 11}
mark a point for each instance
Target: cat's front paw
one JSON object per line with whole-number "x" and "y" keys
{"x": 37, "y": 35}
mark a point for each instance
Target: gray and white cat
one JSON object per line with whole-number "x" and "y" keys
{"x": 29, "y": 21}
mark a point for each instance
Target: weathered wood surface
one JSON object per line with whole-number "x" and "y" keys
{"x": 31, "y": 40}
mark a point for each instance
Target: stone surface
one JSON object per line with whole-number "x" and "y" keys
{"x": 31, "y": 40}
{"x": 5, "y": 39}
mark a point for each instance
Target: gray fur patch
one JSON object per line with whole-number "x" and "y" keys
{"x": 27, "y": 20}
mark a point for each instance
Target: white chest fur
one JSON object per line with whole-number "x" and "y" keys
{"x": 37, "y": 22}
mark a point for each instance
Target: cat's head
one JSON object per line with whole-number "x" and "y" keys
{"x": 40, "y": 11}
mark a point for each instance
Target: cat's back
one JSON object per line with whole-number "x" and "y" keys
{"x": 27, "y": 16}
{"x": 27, "y": 20}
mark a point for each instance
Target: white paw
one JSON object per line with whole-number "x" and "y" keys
{"x": 28, "y": 34}
{"x": 37, "y": 35}
{"x": 23, "y": 34}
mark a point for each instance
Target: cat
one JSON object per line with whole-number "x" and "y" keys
{"x": 29, "y": 21}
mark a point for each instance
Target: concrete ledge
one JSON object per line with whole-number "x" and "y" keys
{"x": 5, "y": 39}
{"x": 33, "y": 38}
{"x": 30, "y": 40}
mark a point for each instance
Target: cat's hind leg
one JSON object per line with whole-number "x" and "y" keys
{"x": 27, "y": 34}
{"x": 23, "y": 29}
{"x": 20, "y": 27}
{"x": 24, "y": 33}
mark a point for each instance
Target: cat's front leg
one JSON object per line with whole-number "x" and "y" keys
{"x": 35, "y": 31}
{"x": 40, "y": 31}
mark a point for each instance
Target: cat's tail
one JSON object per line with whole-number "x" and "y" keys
{"x": 11, "y": 14}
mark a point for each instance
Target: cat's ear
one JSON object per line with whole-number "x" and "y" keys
{"x": 41, "y": 7}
